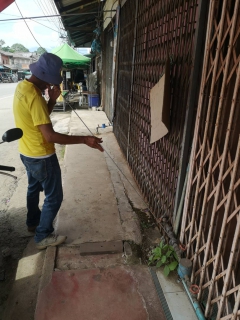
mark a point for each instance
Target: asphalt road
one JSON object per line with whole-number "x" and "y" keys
{"x": 8, "y": 151}
{"x": 6, "y": 99}
{"x": 9, "y": 155}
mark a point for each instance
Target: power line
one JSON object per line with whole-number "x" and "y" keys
{"x": 45, "y": 26}
{"x": 28, "y": 27}
{"x": 14, "y": 15}
{"x": 48, "y": 9}
{"x": 59, "y": 15}
{"x": 55, "y": 10}
{"x": 45, "y": 11}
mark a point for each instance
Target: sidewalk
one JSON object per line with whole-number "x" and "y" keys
{"x": 95, "y": 275}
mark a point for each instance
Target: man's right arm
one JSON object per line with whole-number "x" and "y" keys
{"x": 51, "y": 136}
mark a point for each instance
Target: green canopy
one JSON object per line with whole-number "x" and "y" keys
{"x": 71, "y": 58}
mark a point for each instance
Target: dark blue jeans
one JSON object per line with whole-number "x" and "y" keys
{"x": 43, "y": 175}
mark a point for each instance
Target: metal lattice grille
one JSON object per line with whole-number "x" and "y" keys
{"x": 125, "y": 54}
{"x": 211, "y": 217}
{"x": 163, "y": 29}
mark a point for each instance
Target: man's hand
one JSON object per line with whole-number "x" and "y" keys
{"x": 51, "y": 136}
{"x": 93, "y": 142}
{"x": 54, "y": 92}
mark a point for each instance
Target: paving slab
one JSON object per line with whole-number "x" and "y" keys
{"x": 117, "y": 293}
{"x": 89, "y": 211}
{"x": 177, "y": 300}
{"x": 95, "y": 208}
{"x": 101, "y": 247}
{"x": 70, "y": 258}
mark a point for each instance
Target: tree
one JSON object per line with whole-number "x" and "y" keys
{"x": 41, "y": 50}
{"x": 2, "y": 42}
{"x": 7, "y": 49}
{"x": 17, "y": 47}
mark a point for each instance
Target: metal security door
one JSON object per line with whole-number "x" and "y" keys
{"x": 152, "y": 31}
{"x": 211, "y": 216}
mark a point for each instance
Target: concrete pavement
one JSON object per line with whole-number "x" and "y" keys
{"x": 91, "y": 276}
{"x": 91, "y": 279}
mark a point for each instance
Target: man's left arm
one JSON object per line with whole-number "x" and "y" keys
{"x": 53, "y": 93}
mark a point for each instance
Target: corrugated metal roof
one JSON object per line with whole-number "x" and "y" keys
{"x": 6, "y": 53}
{"x": 82, "y": 18}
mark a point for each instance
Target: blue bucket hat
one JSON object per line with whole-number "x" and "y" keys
{"x": 48, "y": 68}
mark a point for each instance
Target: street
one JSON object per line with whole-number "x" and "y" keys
{"x": 6, "y": 98}
{"x": 7, "y": 89}
{"x": 8, "y": 154}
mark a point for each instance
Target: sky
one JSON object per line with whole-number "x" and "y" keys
{"x": 47, "y": 31}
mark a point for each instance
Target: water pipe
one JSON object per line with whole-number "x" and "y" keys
{"x": 184, "y": 271}
{"x": 180, "y": 208}
{"x": 103, "y": 126}
{"x": 194, "y": 302}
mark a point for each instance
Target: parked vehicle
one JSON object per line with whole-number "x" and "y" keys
{"x": 8, "y": 77}
{"x": 23, "y": 75}
{"x": 9, "y": 136}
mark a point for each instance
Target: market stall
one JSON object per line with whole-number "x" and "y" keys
{"x": 75, "y": 68}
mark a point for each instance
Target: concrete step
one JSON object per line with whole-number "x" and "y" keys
{"x": 97, "y": 287}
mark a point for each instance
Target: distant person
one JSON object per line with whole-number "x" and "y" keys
{"x": 37, "y": 151}
{"x": 69, "y": 84}
{"x": 84, "y": 87}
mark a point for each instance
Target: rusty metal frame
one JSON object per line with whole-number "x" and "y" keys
{"x": 211, "y": 216}
{"x": 163, "y": 29}
{"x": 199, "y": 45}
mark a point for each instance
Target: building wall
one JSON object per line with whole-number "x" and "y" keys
{"x": 17, "y": 60}
{"x": 4, "y": 59}
{"x": 21, "y": 62}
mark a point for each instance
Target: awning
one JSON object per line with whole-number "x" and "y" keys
{"x": 82, "y": 21}
{"x": 9, "y": 66}
{"x": 4, "y": 4}
{"x": 71, "y": 58}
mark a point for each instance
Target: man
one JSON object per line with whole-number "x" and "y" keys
{"x": 37, "y": 151}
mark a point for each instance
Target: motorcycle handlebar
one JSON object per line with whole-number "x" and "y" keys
{"x": 6, "y": 168}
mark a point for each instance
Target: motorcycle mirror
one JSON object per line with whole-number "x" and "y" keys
{"x": 12, "y": 134}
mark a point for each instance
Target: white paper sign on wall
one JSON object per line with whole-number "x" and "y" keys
{"x": 160, "y": 106}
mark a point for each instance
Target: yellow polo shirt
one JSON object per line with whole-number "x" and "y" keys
{"x": 30, "y": 110}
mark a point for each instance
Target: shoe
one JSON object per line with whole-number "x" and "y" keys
{"x": 32, "y": 229}
{"x": 52, "y": 240}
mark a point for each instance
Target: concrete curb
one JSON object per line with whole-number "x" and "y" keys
{"x": 48, "y": 267}
{"x": 23, "y": 296}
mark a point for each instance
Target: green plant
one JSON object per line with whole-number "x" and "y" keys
{"x": 164, "y": 255}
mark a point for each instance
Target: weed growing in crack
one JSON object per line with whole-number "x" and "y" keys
{"x": 164, "y": 255}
